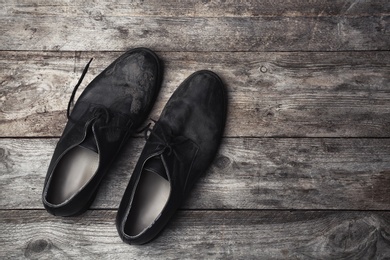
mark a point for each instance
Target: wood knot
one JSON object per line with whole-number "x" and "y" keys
{"x": 354, "y": 238}
{"x": 36, "y": 247}
{"x": 222, "y": 162}
{"x": 5, "y": 159}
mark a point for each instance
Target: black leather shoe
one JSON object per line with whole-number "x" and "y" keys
{"x": 178, "y": 150}
{"x": 107, "y": 112}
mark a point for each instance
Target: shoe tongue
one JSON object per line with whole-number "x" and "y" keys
{"x": 89, "y": 141}
{"x": 156, "y": 165}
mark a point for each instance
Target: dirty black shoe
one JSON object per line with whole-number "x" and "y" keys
{"x": 107, "y": 112}
{"x": 178, "y": 150}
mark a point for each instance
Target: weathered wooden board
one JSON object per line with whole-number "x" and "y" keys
{"x": 323, "y": 94}
{"x": 201, "y": 235}
{"x": 64, "y": 31}
{"x": 206, "y": 8}
{"x": 248, "y": 173}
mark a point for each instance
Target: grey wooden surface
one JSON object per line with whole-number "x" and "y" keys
{"x": 304, "y": 167}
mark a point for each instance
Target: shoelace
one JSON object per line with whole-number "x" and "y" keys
{"x": 99, "y": 111}
{"x": 75, "y": 90}
{"x": 167, "y": 140}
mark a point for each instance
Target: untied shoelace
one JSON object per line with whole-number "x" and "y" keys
{"x": 99, "y": 111}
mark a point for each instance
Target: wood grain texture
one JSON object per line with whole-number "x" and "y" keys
{"x": 270, "y": 94}
{"x": 64, "y": 31}
{"x": 201, "y": 235}
{"x": 205, "y": 8}
{"x": 248, "y": 173}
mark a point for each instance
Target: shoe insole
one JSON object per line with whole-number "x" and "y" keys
{"x": 150, "y": 197}
{"x": 74, "y": 170}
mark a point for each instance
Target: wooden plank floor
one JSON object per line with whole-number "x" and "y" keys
{"x": 304, "y": 167}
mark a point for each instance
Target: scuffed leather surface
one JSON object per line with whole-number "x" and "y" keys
{"x": 114, "y": 104}
{"x": 196, "y": 111}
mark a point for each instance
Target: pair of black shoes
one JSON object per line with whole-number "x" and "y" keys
{"x": 179, "y": 148}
